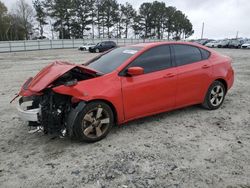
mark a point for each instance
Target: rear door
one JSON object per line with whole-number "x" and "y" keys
{"x": 110, "y": 44}
{"x": 194, "y": 74}
{"x": 153, "y": 91}
{"x": 104, "y": 46}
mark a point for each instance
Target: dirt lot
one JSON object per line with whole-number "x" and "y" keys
{"x": 191, "y": 147}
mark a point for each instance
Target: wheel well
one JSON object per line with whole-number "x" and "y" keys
{"x": 223, "y": 82}
{"x": 110, "y": 105}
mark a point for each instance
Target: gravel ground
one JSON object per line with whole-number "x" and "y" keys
{"x": 190, "y": 147}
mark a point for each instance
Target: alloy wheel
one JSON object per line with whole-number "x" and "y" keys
{"x": 95, "y": 122}
{"x": 217, "y": 95}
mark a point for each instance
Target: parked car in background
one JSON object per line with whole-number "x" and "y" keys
{"x": 127, "y": 83}
{"x": 246, "y": 45}
{"x": 86, "y": 46}
{"x": 203, "y": 41}
{"x": 223, "y": 43}
{"x": 213, "y": 44}
{"x": 103, "y": 46}
{"x": 235, "y": 43}
{"x": 40, "y": 38}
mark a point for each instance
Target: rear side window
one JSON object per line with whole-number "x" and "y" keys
{"x": 155, "y": 59}
{"x": 205, "y": 54}
{"x": 186, "y": 54}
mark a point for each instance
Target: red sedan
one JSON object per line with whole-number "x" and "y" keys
{"x": 85, "y": 101}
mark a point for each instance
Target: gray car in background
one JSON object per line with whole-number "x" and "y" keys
{"x": 224, "y": 43}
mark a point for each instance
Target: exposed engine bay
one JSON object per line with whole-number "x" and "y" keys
{"x": 75, "y": 74}
{"x": 49, "y": 110}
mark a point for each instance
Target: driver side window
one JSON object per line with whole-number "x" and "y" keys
{"x": 155, "y": 59}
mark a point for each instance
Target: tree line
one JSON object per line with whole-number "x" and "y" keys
{"x": 93, "y": 19}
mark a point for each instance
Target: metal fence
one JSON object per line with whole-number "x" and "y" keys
{"x": 30, "y": 45}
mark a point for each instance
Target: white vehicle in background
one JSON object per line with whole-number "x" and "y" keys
{"x": 246, "y": 45}
{"x": 213, "y": 44}
{"x": 86, "y": 46}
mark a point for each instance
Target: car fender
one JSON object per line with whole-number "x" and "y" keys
{"x": 99, "y": 88}
{"x": 223, "y": 70}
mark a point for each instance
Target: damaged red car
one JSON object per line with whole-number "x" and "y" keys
{"x": 126, "y": 83}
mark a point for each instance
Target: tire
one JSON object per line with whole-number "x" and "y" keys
{"x": 215, "y": 96}
{"x": 89, "y": 126}
{"x": 97, "y": 50}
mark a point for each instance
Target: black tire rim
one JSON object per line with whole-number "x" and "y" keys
{"x": 95, "y": 122}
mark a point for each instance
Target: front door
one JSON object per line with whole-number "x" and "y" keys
{"x": 155, "y": 90}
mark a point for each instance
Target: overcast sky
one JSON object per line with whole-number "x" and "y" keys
{"x": 222, "y": 18}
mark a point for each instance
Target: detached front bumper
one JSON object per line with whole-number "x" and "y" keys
{"x": 26, "y": 110}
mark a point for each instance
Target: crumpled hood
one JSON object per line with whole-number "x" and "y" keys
{"x": 48, "y": 75}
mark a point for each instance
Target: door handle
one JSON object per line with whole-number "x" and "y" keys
{"x": 169, "y": 75}
{"x": 205, "y": 66}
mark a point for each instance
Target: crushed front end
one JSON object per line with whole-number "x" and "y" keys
{"x": 46, "y": 109}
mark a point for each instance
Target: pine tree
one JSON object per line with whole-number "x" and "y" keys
{"x": 40, "y": 15}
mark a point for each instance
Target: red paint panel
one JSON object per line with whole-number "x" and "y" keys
{"x": 149, "y": 93}
{"x": 193, "y": 82}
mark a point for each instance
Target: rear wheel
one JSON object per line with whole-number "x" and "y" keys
{"x": 95, "y": 122}
{"x": 215, "y": 96}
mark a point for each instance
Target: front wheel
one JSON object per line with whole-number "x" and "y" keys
{"x": 215, "y": 96}
{"x": 97, "y": 50}
{"x": 94, "y": 122}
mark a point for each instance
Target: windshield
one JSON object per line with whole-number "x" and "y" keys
{"x": 113, "y": 59}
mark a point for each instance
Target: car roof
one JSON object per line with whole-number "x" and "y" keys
{"x": 154, "y": 44}
{"x": 149, "y": 45}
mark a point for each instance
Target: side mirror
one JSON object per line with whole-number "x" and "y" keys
{"x": 135, "y": 71}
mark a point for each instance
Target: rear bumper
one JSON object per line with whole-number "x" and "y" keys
{"x": 230, "y": 79}
{"x": 26, "y": 111}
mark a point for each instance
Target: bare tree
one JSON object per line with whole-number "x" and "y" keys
{"x": 25, "y": 12}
